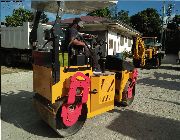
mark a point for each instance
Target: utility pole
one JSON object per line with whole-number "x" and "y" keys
{"x": 162, "y": 29}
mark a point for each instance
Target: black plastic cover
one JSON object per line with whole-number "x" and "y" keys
{"x": 78, "y": 60}
{"x": 115, "y": 63}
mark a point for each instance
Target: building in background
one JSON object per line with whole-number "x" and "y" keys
{"x": 119, "y": 36}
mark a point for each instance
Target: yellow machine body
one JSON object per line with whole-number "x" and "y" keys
{"x": 66, "y": 96}
{"x": 139, "y": 51}
{"x": 120, "y": 84}
{"x": 142, "y": 53}
{"x": 99, "y": 102}
{"x": 43, "y": 84}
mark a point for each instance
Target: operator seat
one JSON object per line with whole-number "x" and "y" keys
{"x": 116, "y": 63}
{"x": 76, "y": 56}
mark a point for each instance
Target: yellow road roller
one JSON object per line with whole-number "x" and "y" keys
{"x": 147, "y": 52}
{"x": 65, "y": 96}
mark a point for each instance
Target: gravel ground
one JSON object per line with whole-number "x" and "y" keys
{"x": 8, "y": 70}
{"x": 154, "y": 114}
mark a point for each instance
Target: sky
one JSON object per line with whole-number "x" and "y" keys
{"x": 133, "y": 6}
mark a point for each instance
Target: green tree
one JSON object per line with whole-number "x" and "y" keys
{"x": 105, "y": 12}
{"x": 22, "y": 15}
{"x": 123, "y": 16}
{"x": 176, "y": 20}
{"x": 44, "y": 18}
{"x": 113, "y": 10}
{"x": 173, "y": 35}
{"x": 18, "y": 17}
{"x": 147, "y": 22}
{"x": 174, "y": 24}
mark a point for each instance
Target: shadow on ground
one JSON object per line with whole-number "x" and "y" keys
{"x": 171, "y": 85}
{"x": 144, "y": 126}
{"x": 172, "y": 67}
{"x": 166, "y": 101}
{"x": 17, "y": 109}
{"x": 169, "y": 62}
{"x": 165, "y": 76}
{"x": 19, "y": 66}
{"x": 170, "y": 59}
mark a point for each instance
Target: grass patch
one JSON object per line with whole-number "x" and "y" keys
{"x": 65, "y": 59}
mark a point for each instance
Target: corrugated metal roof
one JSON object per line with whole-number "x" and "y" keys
{"x": 87, "y": 19}
{"x": 96, "y": 20}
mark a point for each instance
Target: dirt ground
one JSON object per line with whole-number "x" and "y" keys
{"x": 154, "y": 114}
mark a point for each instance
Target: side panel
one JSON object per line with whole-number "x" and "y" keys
{"x": 103, "y": 99}
{"x": 42, "y": 81}
{"x": 120, "y": 85}
{"x": 43, "y": 85}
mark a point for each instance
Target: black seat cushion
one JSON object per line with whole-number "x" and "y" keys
{"x": 115, "y": 63}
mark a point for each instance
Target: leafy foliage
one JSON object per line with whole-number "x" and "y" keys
{"x": 18, "y": 17}
{"x": 147, "y": 22}
{"x": 174, "y": 24}
{"x": 22, "y": 15}
{"x": 123, "y": 16}
{"x": 105, "y": 12}
{"x": 44, "y": 18}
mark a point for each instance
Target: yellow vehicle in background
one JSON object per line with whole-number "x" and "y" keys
{"x": 65, "y": 96}
{"x": 147, "y": 52}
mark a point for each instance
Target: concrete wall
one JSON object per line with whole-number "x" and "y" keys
{"x": 118, "y": 43}
{"x": 16, "y": 37}
{"x": 114, "y": 42}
